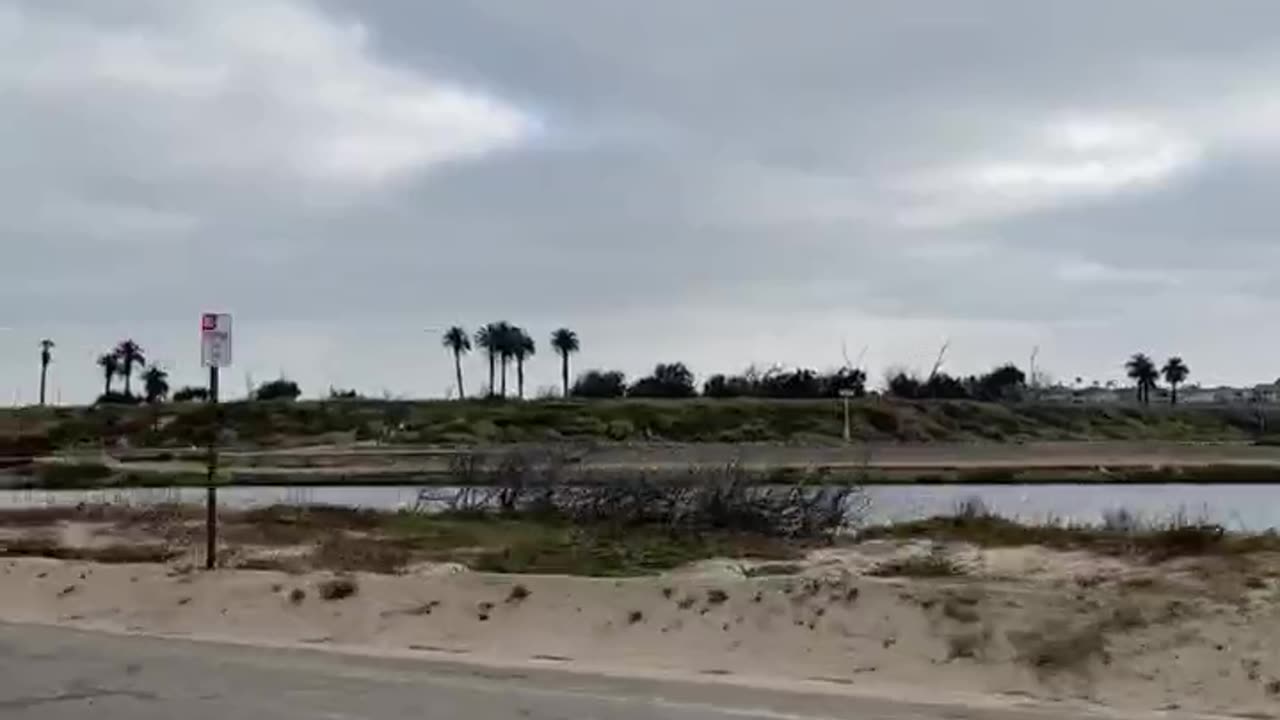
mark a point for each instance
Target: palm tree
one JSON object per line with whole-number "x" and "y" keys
{"x": 46, "y": 356}
{"x": 459, "y": 343}
{"x": 522, "y": 348}
{"x": 489, "y": 338}
{"x": 110, "y": 365}
{"x": 156, "y": 384}
{"x": 565, "y": 342}
{"x": 1144, "y": 374}
{"x": 129, "y": 354}
{"x": 508, "y": 338}
{"x": 1175, "y": 372}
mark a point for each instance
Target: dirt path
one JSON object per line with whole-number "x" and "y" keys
{"x": 404, "y": 464}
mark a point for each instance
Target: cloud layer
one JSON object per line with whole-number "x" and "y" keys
{"x": 725, "y": 182}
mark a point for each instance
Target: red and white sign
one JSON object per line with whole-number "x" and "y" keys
{"x": 215, "y": 340}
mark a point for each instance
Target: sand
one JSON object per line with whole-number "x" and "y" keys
{"x": 1022, "y": 626}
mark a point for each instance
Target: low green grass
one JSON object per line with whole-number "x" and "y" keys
{"x": 351, "y": 540}
{"x": 67, "y": 475}
{"x": 1175, "y": 537}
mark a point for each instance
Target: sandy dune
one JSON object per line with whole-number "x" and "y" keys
{"x": 1024, "y": 625}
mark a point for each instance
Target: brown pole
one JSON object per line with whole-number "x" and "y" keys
{"x": 211, "y": 492}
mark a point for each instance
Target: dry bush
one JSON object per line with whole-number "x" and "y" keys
{"x": 968, "y": 644}
{"x": 548, "y": 485}
{"x": 774, "y": 569}
{"x": 1121, "y": 520}
{"x": 1180, "y": 540}
{"x": 422, "y": 610}
{"x": 1059, "y": 647}
{"x": 934, "y": 564}
{"x": 312, "y": 516}
{"x": 290, "y": 564}
{"x": 342, "y": 552}
{"x": 971, "y": 508}
{"x": 1126, "y": 617}
{"x": 338, "y": 588}
{"x": 960, "y": 609}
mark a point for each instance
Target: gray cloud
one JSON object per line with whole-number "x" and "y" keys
{"x": 722, "y": 182}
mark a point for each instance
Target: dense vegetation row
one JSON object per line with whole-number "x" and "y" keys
{"x": 254, "y": 423}
{"x": 506, "y": 345}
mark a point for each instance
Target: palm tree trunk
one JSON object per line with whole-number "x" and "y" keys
{"x": 128, "y": 379}
{"x": 564, "y": 372}
{"x": 44, "y": 376}
{"x": 492, "y": 378}
{"x": 1173, "y": 393}
{"x": 503, "y": 362}
{"x": 106, "y": 385}
{"x": 457, "y": 369}
{"x": 520, "y": 376}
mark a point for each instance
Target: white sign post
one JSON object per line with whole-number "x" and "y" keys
{"x": 215, "y": 353}
{"x": 215, "y": 340}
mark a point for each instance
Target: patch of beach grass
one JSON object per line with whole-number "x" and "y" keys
{"x": 1121, "y": 534}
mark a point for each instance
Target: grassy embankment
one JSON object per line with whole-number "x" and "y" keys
{"x": 177, "y": 429}
{"x": 281, "y": 424}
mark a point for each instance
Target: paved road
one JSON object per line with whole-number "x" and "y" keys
{"x": 55, "y": 674}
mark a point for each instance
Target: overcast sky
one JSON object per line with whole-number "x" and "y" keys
{"x": 722, "y": 182}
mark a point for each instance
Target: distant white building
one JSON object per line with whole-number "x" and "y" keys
{"x": 1267, "y": 393}
{"x": 1196, "y": 395}
{"x": 1224, "y": 395}
{"x": 1103, "y": 396}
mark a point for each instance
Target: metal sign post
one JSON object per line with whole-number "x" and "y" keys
{"x": 846, "y": 394}
{"x": 215, "y": 353}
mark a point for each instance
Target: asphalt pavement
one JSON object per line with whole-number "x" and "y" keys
{"x": 59, "y": 674}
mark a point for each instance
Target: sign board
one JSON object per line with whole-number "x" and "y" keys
{"x": 215, "y": 340}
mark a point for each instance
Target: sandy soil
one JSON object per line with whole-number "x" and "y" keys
{"x": 1019, "y": 625}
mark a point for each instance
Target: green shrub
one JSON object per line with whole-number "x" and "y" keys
{"x": 71, "y": 475}
{"x": 620, "y": 430}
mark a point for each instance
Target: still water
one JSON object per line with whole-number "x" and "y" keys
{"x": 1238, "y": 507}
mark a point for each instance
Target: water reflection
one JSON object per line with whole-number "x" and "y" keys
{"x": 1239, "y": 507}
